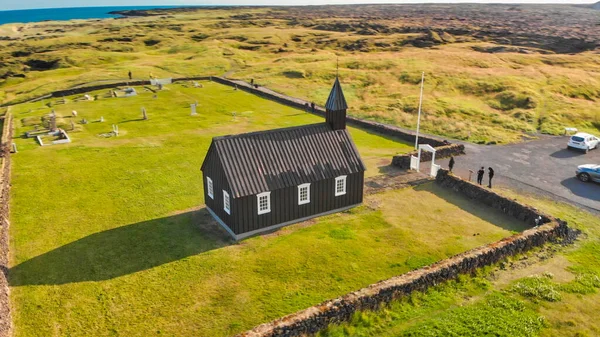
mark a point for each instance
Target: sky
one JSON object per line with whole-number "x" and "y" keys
{"x": 30, "y": 4}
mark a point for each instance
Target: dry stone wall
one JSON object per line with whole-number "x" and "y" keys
{"x": 388, "y": 130}
{"x": 81, "y": 90}
{"x": 490, "y": 198}
{"x": 318, "y": 317}
{"x": 5, "y": 316}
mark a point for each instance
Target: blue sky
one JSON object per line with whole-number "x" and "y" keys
{"x": 28, "y": 4}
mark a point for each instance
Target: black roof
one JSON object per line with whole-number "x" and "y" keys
{"x": 269, "y": 160}
{"x": 336, "y": 100}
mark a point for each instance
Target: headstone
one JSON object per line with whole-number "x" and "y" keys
{"x": 14, "y": 146}
{"x": 53, "y": 121}
{"x": 84, "y": 121}
{"x": 74, "y": 113}
{"x": 144, "y": 114}
{"x": 115, "y": 129}
{"x": 235, "y": 87}
{"x": 72, "y": 125}
{"x": 101, "y": 119}
{"x": 193, "y": 107}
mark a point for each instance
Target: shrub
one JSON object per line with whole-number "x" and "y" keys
{"x": 199, "y": 37}
{"x": 509, "y": 100}
{"x": 294, "y": 74}
{"x": 537, "y": 288}
{"x": 151, "y": 42}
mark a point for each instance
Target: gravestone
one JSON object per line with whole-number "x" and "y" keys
{"x": 101, "y": 119}
{"x": 193, "y": 108}
{"x": 72, "y": 125}
{"x": 53, "y": 121}
{"x": 14, "y": 147}
{"x": 144, "y": 114}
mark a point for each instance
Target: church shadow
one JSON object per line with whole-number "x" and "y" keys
{"x": 476, "y": 208}
{"x": 123, "y": 250}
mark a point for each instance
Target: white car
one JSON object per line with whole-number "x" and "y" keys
{"x": 583, "y": 141}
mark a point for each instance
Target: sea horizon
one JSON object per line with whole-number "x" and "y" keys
{"x": 71, "y": 13}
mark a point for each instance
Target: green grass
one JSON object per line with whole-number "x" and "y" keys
{"x": 470, "y": 95}
{"x": 109, "y": 236}
{"x": 524, "y": 300}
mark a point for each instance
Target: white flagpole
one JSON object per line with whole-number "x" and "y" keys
{"x": 419, "y": 116}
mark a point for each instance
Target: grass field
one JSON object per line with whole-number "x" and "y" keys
{"x": 554, "y": 292}
{"x": 109, "y": 236}
{"x": 470, "y": 94}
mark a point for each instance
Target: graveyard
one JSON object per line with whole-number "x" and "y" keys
{"x": 108, "y": 232}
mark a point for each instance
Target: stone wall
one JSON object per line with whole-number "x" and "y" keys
{"x": 318, "y": 317}
{"x": 389, "y": 130}
{"x": 403, "y": 160}
{"x": 5, "y": 316}
{"x": 490, "y": 198}
{"x": 81, "y": 90}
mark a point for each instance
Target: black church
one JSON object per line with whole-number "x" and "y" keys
{"x": 260, "y": 181}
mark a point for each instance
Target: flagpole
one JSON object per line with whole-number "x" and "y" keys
{"x": 419, "y": 116}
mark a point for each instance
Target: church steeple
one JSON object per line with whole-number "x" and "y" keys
{"x": 336, "y": 107}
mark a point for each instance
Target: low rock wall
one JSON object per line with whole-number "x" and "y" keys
{"x": 81, "y": 90}
{"x": 490, "y": 198}
{"x": 388, "y": 130}
{"x": 5, "y": 315}
{"x": 403, "y": 160}
{"x": 318, "y": 317}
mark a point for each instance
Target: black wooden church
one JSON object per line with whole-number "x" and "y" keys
{"x": 260, "y": 181}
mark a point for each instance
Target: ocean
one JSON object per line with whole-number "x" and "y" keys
{"x": 37, "y": 15}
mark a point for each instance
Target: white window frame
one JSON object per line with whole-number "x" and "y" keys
{"x": 260, "y": 195}
{"x": 300, "y": 187}
{"x": 343, "y": 179}
{"x": 226, "y": 202}
{"x": 210, "y": 187}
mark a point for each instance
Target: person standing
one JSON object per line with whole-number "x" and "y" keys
{"x": 130, "y": 75}
{"x": 451, "y": 164}
{"x": 480, "y": 174}
{"x": 490, "y": 175}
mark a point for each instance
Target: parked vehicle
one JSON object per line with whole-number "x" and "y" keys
{"x": 583, "y": 141}
{"x": 588, "y": 172}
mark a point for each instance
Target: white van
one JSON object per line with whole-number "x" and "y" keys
{"x": 583, "y": 141}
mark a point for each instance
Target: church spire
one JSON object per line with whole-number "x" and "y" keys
{"x": 336, "y": 100}
{"x": 336, "y": 107}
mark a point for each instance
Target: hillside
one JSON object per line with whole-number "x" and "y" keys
{"x": 494, "y": 73}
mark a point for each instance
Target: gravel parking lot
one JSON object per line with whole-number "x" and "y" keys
{"x": 543, "y": 165}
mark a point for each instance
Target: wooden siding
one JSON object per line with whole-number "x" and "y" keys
{"x": 214, "y": 171}
{"x": 284, "y": 204}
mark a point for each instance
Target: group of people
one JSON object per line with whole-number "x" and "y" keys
{"x": 480, "y": 173}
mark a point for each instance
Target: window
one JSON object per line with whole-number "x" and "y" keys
{"x": 226, "y": 202}
{"x": 303, "y": 194}
{"x": 209, "y": 186}
{"x": 340, "y": 185}
{"x": 264, "y": 202}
